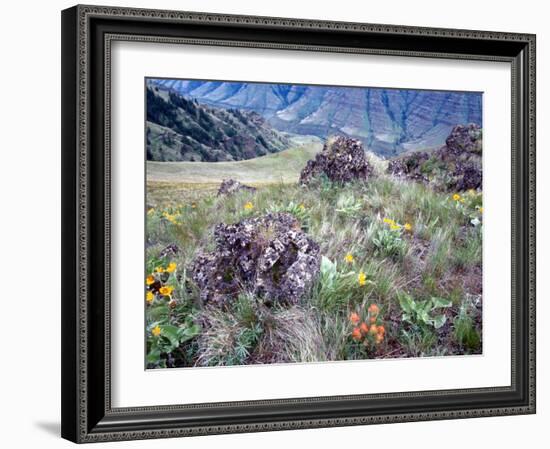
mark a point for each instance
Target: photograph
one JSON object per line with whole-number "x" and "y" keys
{"x": 299, "y": 223}
{"x": 279, "y": 222}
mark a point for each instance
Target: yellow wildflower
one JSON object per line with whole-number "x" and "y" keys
{"x": 171, "y": 267}
{"x": 407, "y": 227}
{"x": 166, "y": 290}
{"x": 159, "y": 269}
{"x": 394, "y": 227}
{"x": 389, "y": 221}
{"x": 362, "y": 278}
{"x": 156, "y": 331}
{"x": 249, "y": 206}
{"x": 349, "y": 258}
{"x": 149, "y": 297}
{"x": 149, "y": 279}
{"x": 302, "y": 206}
{"x": 456, "y": 197}
{"x": 151, "y": 211}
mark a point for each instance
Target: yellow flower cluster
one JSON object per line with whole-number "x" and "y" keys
{"x": 394, "y": 226}
{"x": 249, "y": 206}
{"x": 155, "y": 282}
{"x": 172, "y": 218}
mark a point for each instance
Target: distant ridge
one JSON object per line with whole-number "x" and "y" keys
{"x": 180, "y": 129}
{"x": 388, "y": 121}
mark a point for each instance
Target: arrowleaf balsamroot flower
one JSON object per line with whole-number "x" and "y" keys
{"x": 362, "y": 279}
{"x": 150, "y": 279}
{"x": 166, "y": 290}
{"x": 159, "y": 269}
{"x": 249, "y": 206}
{"x": 407, "y": 227}
{"x": 156, "y": 331}
{"x": 149, "y": 297}
{"x": 171, "y": 267}
{"x": 389, "y": 221}
{"x": 349, "y": 258}
{"x": 456, "y": 197}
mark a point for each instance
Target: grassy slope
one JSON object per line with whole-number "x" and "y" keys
{"x": 439, "y": 257}
{"x": 169, "y": 182}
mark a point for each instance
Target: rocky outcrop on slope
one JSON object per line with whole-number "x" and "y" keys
{"x": 457, "y": 166}
{"x": 268, "y": 256}
{"x": 342, "y": 160}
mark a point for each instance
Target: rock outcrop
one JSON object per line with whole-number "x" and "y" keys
{"x": 457, "y": 166}
{"x": 268, "y": 256}
{"x": 342, "y": 160}
{"x": 230, "y": 186}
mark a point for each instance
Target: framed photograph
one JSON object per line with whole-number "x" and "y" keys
{"x": 276, "y": 224}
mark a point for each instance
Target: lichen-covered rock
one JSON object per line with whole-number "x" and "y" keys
{"x": 168, "y": 251}
{"x": 341, "y": 160}
{"x": 409, "y": 166}
{"x": 465, "y": 138}
{"x": 268, "y": 256}
{"x": 230, "y": 186}
{"x": 454, "y": 167}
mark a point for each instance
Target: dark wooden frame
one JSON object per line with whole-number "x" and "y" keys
{"x": 87, "y": 33}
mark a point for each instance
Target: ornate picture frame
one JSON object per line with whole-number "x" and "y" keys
{"x": 87, "y": 35}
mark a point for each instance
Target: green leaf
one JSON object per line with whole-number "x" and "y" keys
{"x": 159, "y": 313}
{"x": 406, "y": 303}
{"x": 188, "y": 333}
{"x": 439, "y": 320}
{"x": 441, "y": 302}
{"x": 153, "y": 356}
{"x": 327, "y": 267}
{"x": 171, "y": 333}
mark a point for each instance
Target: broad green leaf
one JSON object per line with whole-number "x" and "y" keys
{"x": 153, "y": 356}
{"x": 159, "y": 313}
{"x": 406, "y": 303}
{"x": 441, "y": 302}
{"x": 171, "y": 333}
{"x": 327, "y": 266}
{"x": 439, "y": 320}
{"x": 188, "y": 333}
